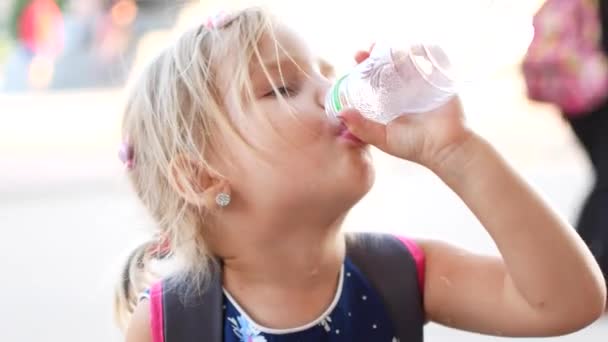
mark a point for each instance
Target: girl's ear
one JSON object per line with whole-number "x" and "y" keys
{"x": 197, "y": 184}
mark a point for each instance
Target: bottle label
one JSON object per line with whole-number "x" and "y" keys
{"x": 336, "y": 103}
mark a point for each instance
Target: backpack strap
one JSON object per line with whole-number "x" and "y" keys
{"x": 391, "y": 265}
{"x": 192, "y": 317}
{"x": 603, "y": 9}
{"x": 392, "y": 270}
{"x": 156, "y": 312}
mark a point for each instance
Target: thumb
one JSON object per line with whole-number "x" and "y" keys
{"x": 368, "y": 131}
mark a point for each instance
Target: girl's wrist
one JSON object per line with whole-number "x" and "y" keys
{"x": 457, "y": 159}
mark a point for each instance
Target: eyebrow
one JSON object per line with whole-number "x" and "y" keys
{"x": 326, "y": 68}
{"x": 271, "y": 67}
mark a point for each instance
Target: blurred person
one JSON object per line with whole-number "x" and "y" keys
{"x": 81, "y": 18}
{"x": 591, "y": 128}
{"x": 567, "y": 65}
{"x": 228, "y": 146}
{"x": 38, "y": 29}
{"x": 102, "y": 38}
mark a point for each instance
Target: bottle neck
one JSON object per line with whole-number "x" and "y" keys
{"x": 335, "y": 101}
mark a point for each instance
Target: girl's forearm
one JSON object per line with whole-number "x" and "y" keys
{"x": 546, "y": 261}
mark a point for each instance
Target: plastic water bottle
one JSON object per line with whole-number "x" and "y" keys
{"x": 393, "y": 81}
{"x": 447, "y": 46}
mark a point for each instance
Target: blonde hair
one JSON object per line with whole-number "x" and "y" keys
{"x": 176, "y": 109}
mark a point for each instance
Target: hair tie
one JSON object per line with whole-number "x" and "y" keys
{"x": 161, "y": 248}
{"x": 219, "y": 20}
{"x": 126, "y": 153}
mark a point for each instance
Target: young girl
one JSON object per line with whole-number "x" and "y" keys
{"x": 228, "y": 146}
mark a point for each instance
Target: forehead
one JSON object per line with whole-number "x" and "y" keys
{"x": 282, "y": 43}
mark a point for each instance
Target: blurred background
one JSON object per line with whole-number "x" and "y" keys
{"x": 68, "y": 217}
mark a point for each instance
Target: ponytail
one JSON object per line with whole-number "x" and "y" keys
{"x": 136, "y": 277}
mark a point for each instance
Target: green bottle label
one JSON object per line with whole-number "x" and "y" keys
{"x": 337, "y": 104}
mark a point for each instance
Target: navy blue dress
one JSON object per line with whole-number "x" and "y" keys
{"x": 356, "y": 314}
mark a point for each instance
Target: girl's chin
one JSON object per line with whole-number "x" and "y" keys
{"x": 361, "y": 182}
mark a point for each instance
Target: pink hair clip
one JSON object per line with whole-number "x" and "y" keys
{"x": 126, "y": 153}
{"x": 218, "y": 20}
{"x": 160, "y": 248}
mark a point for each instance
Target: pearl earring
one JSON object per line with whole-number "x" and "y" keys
{"x": 222, "y": 199}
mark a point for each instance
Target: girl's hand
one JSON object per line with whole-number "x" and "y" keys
{"x": 425, "y": 138}
{"x": 527, "y": 292}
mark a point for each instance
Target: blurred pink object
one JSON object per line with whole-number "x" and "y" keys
{"x": 126, "y": 153}
{"x": 41, "y": 27}
{"x": 565, "y": 63}
{"x": 219, "y": 20}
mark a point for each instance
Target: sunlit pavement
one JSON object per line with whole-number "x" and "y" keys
{"x": 68, "y": 217}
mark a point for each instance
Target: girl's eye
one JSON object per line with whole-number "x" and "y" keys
{"x": 284, "y": 91}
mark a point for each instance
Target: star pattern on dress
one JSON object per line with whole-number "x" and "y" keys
{"x": 245, "y": 331}
{"x": 326, "y": 323}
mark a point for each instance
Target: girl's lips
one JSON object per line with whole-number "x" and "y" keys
{"x": 349, "y": 136}
{"x": 344, "y": 133}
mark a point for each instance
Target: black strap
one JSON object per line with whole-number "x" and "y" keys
{"x": 386, "y": 262}
{"x": 391, "y": 269}
{"x": 603, "y": 10}
{"x": 190, "y": 316}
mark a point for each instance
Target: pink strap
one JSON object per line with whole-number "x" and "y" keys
{"x": 418, "y": 255}
{"x": 156, "y": 312}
